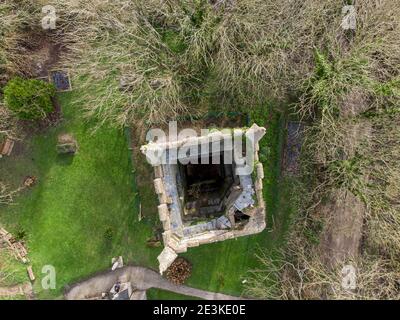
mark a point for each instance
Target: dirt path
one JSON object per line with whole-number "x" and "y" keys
{"x": 141, "y": 279}
{"x": 21, "y": 289}
{"x": 344, "y": 212}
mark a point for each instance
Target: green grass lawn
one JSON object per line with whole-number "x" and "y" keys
{"x": 79, "y": 200}
{"x": 76, "y": 201}
{"x": 12, "y": 271}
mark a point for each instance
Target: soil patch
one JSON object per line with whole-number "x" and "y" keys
{"x": 344, "y": 212}
{"x": 41, "y": 54}
{"x": 341, "y": 238}
{"x": 52, "y": 119}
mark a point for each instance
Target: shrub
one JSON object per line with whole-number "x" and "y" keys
{"x": 108, "y": 234}
{"x": 29, "y": 99}
{"x": 20, "y": 233}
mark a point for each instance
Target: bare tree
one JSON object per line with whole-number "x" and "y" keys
{"x": 7, "y": 195}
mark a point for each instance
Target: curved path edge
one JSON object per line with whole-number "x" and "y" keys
{"x": 141, "y": 279}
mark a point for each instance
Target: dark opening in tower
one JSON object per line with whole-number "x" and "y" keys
{"x": 206, "y": 188}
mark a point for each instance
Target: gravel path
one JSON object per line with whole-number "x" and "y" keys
{"x": 141, "y": 279}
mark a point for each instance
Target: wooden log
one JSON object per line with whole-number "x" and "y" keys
{"x": 3, "y": 232}
{"x": 11, "y": 147}
{"x": 30, "y": 273}
{"x": 7, "y": 147}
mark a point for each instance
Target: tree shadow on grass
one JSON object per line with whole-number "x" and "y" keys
{"x": 65, "y": 159}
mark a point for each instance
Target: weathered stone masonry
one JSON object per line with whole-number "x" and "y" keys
{"x": 237, "y": 210}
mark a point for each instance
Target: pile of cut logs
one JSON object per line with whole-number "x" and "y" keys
{"x": 179, "y": 271}
{"x": 18, "y": 249}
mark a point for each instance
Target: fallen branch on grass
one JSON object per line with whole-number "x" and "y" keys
{"x": 7, "y": 195}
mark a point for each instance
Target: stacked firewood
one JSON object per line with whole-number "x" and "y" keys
{"x": 179, "y": 271}
{"x": 18, "y": 249}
